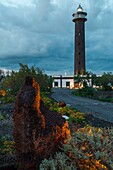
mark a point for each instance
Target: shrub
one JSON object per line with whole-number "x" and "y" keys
{"x": 60, "y": 162}
{"x": 73, "y": 114}
{"x": 77, "y": 117}
{"x": 2, "y": 116}
{"x": 106, "y": 99}
{"x": 15, "y": 80}
{"x": 7, "y": 152}
{"x": 89, "y": 149}
{"x": 7, "y": 99}
{"x": 85, "y": 92}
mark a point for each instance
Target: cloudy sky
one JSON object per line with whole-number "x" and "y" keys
{"x": 41, "y": 33}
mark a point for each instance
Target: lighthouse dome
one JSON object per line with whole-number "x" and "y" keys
{"x": 79, "y": 14}
{"x": 80, "y": 9}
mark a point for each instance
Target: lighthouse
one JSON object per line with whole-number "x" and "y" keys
{"x": 79, "y": 18}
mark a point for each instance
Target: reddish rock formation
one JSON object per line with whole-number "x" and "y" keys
{"x": 38, "y": 132}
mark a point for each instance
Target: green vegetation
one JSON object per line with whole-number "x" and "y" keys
{"x": 77, "y": 117}
{"x": 89, "y": 149}
{"x": 7, "y": 151}
{"x": 13, "y": 82}
{"x": 74, "y": 115}
{"x": 83, "y": 80}
{"x": 90, "y": 92}
{"x": 105, "y": 82}
{"x": 2, "y": 116}
{"x": 85, "y": 92}
{"x": 6, "y": 145}
{"x": 106, "y": 99}
{"x": 7, "y": 99}
{"x": 90, "y": 85}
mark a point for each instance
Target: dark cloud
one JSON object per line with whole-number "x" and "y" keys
{"x": 42, "y": 33}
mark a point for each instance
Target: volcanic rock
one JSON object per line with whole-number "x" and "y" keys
{"x": 38, "y": 132}
{"x": 62, "y": 104}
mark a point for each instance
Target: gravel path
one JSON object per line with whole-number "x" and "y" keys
{"x": 102, "y": 110}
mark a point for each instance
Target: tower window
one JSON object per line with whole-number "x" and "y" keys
{"x": 79, "y": 43}
{"x": 79, "y": 53}
{"x": 79, "y": 33}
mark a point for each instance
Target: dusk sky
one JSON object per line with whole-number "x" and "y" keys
{"x": 41, "y": 33}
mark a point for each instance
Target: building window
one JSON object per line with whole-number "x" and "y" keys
{"x": 79, "y": 53}
{"x": 79, "y": 33}
{"x": 79, "y": 43}
{"x": 56, "y": 83}
{"x": 67, "y": 84}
